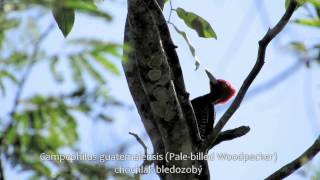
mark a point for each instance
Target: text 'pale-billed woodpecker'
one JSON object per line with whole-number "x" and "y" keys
{"x": 220, "y": 92}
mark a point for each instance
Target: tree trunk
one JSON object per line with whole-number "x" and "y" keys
{"x": 156, "y": 83}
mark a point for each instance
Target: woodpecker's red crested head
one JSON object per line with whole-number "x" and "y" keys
{"x": 224, "y": 91}
{"x": 220, "y": 90}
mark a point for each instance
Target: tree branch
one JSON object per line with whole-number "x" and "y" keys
{"x": 140, "y": 142}
{"x": 231, "y": 134}
{"x": 263, "y": 43}
{"x": 304, "y": 158}
{"x": 271, "y": 83}
{"x": 146, "y": 162}
{"x": 26, "y": 74}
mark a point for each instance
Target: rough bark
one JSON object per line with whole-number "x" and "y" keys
{"x": 153, "y": 87}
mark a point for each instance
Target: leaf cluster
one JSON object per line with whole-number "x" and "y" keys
{"x": 48, "y": 122}
{"x": 309, "y": 53}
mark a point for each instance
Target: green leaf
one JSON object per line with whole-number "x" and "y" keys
{"x": 53, "y": 67}
{"x": 2, "y": 37}
{"x": 55, "y": 137}
{"x": 76, "y": 70}
{"x": 300, "y": 3}
{"x": 6, "y": 74}
{"x": 106, "y": 63}
{"x": 191, "y": 48}
{"x": 64, "y": 17}
{"x": 36, "y": 122}
{"x": 309, "y": 22}
{"x": 88, "y": 8}
{"x": 299, "y": 46}
{"x": 92, "y": 2}
{"x": 69, "y": 127}
{"x": 11, "y": 135}
{"x": 91, "y": 70}
{"x": 286, "y": 3}
{"x": 8, "y": 23}
{"x": 316, "y": 3}
{"x": 99, "y": 46}
{"x": 25, "y": 141}
{"x": 200, "y": 25}
{"x": 41, "y": 168}
{"x": 17, "y": 59}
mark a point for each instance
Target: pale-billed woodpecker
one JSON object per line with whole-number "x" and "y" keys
{"x": 220, "y": 92}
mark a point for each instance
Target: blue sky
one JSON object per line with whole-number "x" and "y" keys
{"x": 283, "y": 120}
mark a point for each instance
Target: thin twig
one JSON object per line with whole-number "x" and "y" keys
{"x": 26, "y": 74}
{"x": 146, "y": 162}
{"x": 272, "y": 33}
{"x": 304, "y": 158}
{"x": 140, "y": 142}
{"x": 265, "y": 19}
{"x": 171, "y": 9}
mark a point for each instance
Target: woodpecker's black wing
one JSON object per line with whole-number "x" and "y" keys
{"x": 205, "y": 114}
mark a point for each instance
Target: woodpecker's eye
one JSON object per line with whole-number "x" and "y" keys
{"x": 225, "y": 86}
